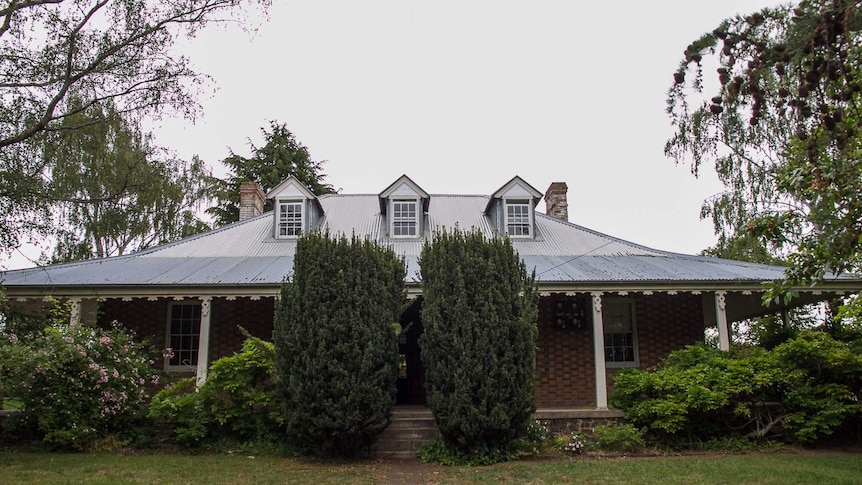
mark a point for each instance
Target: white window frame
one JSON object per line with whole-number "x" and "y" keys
{"x": 608, "y": 326}
{"x": 194, "y": 345}
{"x": 395, "y": 218}
{"x": 282, "y": 221}
{"x": 517, "y": 220}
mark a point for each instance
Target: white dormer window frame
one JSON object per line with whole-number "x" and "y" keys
{"x": 518, "y": 217}
{"x": 290, "y": 218}
{"x": 404, "y": 217}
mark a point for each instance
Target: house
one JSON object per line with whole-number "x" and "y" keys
{"x": 606, "y": 304}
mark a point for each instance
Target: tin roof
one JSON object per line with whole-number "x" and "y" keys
{"x": 246, "y": 253}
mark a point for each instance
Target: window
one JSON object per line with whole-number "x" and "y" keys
{"x": 289, "y": 218}
{"x": 404, "y": 220}
{"x": 620, "y": 336}
{"x": 184, "y": 330}
{"x": 518, "y": 221}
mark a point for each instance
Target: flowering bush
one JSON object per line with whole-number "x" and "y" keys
{"x": 575, "y": 444}
{"x": 77, "y": 383}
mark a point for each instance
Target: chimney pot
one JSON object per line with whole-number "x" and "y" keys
{"x": 250, "y": 200}
{"x": 556, "y": 204}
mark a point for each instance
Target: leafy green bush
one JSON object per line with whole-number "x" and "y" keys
{"x": 336, "y": 348}
{"x": 478, "y": 347}
{"x": 179, "y": 408}
{"x": 237, "y": 403}
{"x": 77, "y": 383}
{"x": 618, "y": 437}
{"x": 802, "y": 390}
{"x": 438, "y": 451}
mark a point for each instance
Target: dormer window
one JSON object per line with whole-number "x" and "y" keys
{"x": 404, "y": 217}
{"x": 290, "y": 218}
{"x": 511, "y": 209}
{"x": 296, "y": 209}
{"x": 518, "y": 220}
{"x": 403, "y": 206}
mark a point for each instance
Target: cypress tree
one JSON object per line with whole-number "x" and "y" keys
{"x": 336, "y": 348}
{"x": 479, "y": 343}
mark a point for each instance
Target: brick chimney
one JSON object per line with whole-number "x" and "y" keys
{"x": 556, "y": 204}
{"x": 250, "y": 200}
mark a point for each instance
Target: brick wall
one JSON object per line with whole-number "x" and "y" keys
{"x": 256, "y": 316}
{"x": 565, "y": 375}
{"x": 148, "y": 319}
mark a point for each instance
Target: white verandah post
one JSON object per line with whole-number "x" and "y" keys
{"x": 721, "y": 320}
{"x": 75, "y": 311}
{"x": 599, "y": 352}
{"x": 204, "y": 341}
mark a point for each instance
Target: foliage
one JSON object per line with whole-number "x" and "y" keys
{"x": 178, "y": 407}
{"x": 478, "y": 347}
{"x": 622, "y": 437}
{"x": 336, "y": 350}
{"x": 77, "y": 383}
{"x": 280, "y": 157}
{"x": 439, "y": 451}
{"x": 114, "y": 192}
{"x": 700, "y": 393}
{"x": 236, "y": 403}
{"x": 574, "y": 444}
{"x": 783, "y": 131}
{"x": 93, "y": 51}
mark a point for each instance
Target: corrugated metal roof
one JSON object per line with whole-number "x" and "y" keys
{"x": 246, "y": 253}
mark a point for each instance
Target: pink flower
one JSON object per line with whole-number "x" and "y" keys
{"x": 13, "y": 338}
{"x": 105, "y": 340}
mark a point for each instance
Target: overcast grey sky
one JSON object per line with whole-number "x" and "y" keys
{"x": 463, "y": 95}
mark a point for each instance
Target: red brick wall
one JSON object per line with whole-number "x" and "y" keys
{"x": 565, "y": 375}
{"x": 148, "y": 319}
{"x": 564, "y": 361}
{"x": 256, "y": 316}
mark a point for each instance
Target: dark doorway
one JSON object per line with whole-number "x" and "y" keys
{"x": 411, "y": 377}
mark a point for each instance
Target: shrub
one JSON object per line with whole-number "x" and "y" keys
{"x": 336, "y": 348}
{"x": 78, "y": 383}
{"x": 238, "y": 402}
{"x": 802, "y": 390}
{"x": 438, "y": 451}
{"x": 618, "y": 437}
{"x": 478, "y": 347}
{"x": 179, "y": 408}
{"x": 573, "y": 444}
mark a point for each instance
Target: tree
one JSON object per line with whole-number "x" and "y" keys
{"x": 113, "y": 191}
{"x": 280, "y": 157}
{"x": 92, "y": 51}
{"x": 336, "y": 341}
{"x": 479, "y": 342}
{"x": 96, "y": 50}
{"x": 783, "y": 131}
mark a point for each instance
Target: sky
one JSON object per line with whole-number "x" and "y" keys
{"x": 463, "y": 95}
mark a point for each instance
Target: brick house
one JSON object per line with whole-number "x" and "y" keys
{"x": 605, "y": 304}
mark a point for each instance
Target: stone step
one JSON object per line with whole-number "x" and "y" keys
{"x": 422, "y": 434}
{"x": 400, "y": 423}
{"x": 408, "y": 431}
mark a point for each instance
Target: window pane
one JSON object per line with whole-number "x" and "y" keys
{"x": 290, "y": 218}
{"x": 518, "y": 217}
{"x": 184, "y": 327}
{"x": 404, "y": 220}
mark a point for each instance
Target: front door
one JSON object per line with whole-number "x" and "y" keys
{"x": 411, "y": 377}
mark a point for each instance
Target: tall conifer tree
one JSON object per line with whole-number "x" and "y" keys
{"x": 336, "y": 345}
{"x": 479, "y": 343}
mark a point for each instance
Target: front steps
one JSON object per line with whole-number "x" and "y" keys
{"x": 411, "y": 427}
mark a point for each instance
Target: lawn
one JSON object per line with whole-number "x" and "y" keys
{"x": 799, "y": 468}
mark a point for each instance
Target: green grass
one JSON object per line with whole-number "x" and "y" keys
{"x": 834, "y": 468}
{"x": 798, "y": 468}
